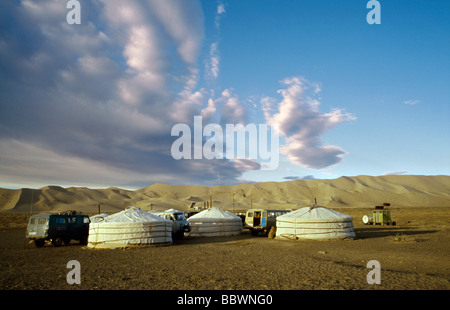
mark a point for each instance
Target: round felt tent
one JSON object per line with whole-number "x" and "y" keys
{"x": 315, "y": 222}
{"x": 130, "y": 227}
{"x": 215, "y": 222}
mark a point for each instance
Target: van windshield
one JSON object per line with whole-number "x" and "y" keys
{"x": 42, "y": 220}
{"x": 179, "y": 217}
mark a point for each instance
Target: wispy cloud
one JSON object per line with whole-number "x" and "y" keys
{"x": 213, "y": 65}
{"x": 396, "y": 172}
{"x": 220, "y": 8}
{"x": 304, "y": 178}
{"x": 411, "y": 102}
{"x": 219, "y": 12}
{"x": 214, "y": 60}
{"x": 232, "y": 111}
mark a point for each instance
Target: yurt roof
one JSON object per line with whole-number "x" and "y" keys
{"x": 133, "y": 214}
{"x": 98, "y": 217}
{"x": 214, "y": 213}
{"x": 316, "y": 214}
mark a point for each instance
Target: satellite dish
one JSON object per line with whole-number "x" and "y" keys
{"x": 367, "y": 219}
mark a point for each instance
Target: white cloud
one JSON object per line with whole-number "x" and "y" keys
{"x": 232, "y": 112}
{"x": 214, "y": 60}
{"x": 302, "y": 124}
{"x": 208, "y": 113}
{"x": 246, "y": 164}
{"x": 396, "y": 172}
{"x": 220, "y": 11}
{"x": 411, "y": 102}
{"x": 188, "y": 102}
{"x": 220, "y": 8}
{"x": 50, "y": 10}
{"x": 304, "y": 178}
{"x": 97, "y": 66}
{"x": 183, "y": 20}
{"x": 213, "y": 65}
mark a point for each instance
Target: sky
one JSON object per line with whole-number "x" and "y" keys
{"x": 94, "y": 103}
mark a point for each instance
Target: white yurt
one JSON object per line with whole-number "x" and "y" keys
{"x": 130, "y": 227}
{"x": 315, "y": 222}
{"x": 215, "y": 222}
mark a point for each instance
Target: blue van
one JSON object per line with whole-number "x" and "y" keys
{"x": 58, "y": 228}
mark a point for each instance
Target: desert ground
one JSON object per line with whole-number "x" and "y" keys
{"x": 413, "y": 255}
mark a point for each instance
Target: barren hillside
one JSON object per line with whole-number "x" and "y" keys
{"x": 359, "y": 191}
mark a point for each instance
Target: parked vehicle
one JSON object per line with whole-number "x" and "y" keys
{"x": 262, "y": 220}
{"x": 241, "y": 214}
{"x": 58, "y": 228}
{"x": 380, "y": 216}
{"x": 180, "y": 223}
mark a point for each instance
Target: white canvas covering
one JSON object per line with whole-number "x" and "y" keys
{"x": 130, "y": 227}
{"x": 215, "y": 222}
{"x": 314, "y": 222}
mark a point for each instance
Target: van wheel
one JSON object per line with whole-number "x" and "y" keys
{"x": 84, "y": 240}
{"x": 39, "y": 242}
{"x": 66, "y": 241}
{"x": 57, "y": 241}
{"x": 178, "y": 235}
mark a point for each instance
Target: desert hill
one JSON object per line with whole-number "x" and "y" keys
{"x": 358, "y": 191}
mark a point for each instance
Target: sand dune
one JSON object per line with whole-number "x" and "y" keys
{"x": 359, "y": 191}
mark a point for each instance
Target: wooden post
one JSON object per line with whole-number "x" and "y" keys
{"x": 98, "y": 208}
{"x": 234, "y": 207}
{"x": 31, "y": 203}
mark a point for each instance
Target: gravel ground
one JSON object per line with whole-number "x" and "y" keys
{"x": 411, "y": 258}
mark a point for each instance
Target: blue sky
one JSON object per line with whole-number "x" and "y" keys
{"x": 93, "y": 104}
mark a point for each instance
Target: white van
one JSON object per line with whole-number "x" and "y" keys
{"x": 180, "y": 224}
